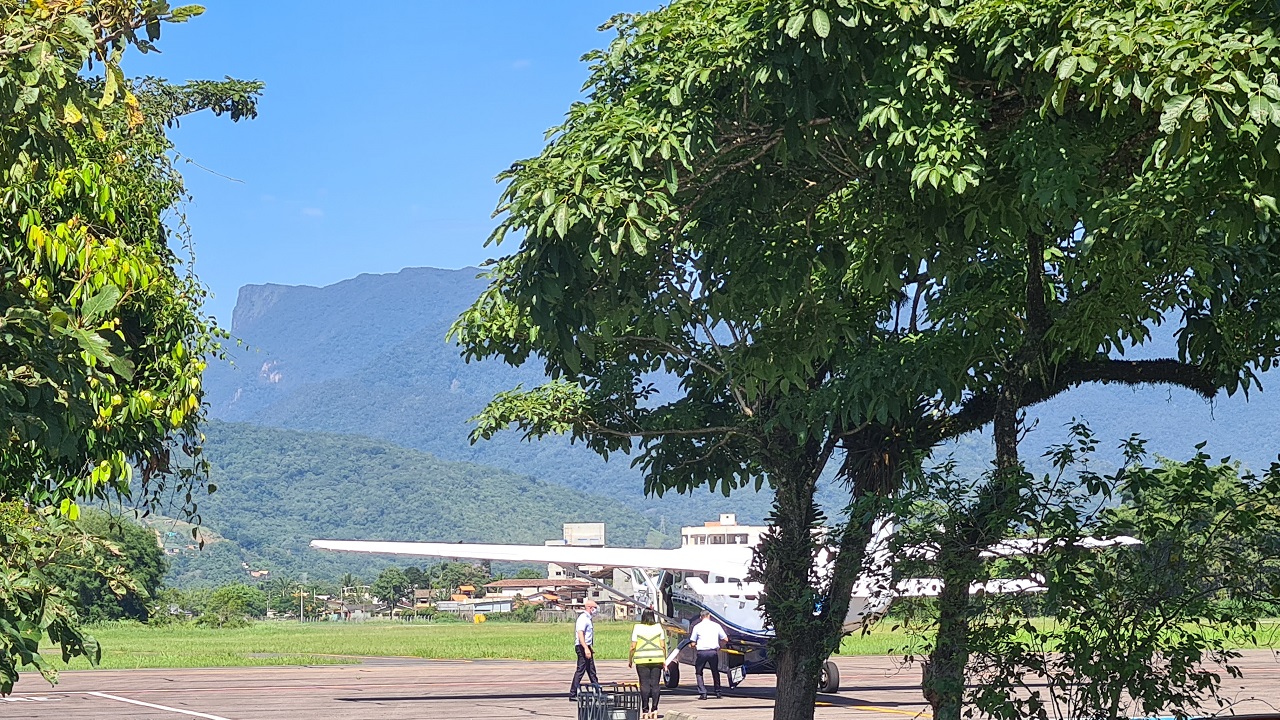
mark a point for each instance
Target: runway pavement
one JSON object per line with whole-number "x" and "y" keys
{"x": 873, "y": 688}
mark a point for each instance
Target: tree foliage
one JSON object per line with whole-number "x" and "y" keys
{"x": 33, "y": 546}
{"x": 1131, "y": 630}
{"x": 102, "y": 341}
{"x": 391, "y": 587}
{"x": 234, "y": 605}
{"x": 854, "y": 229}
{"x": 132, "y": 548}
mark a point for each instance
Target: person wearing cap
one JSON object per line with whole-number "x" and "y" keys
{"x": 648, "y": 655}
{"x": 707, "y": 638}
{"x": 584, "y": 634}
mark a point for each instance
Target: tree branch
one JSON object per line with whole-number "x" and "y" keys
{"x": 980, "y": 409}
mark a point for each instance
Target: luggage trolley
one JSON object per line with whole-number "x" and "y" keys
{"x": 609, "y": 701}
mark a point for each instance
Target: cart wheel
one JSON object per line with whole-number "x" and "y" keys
{"x": 671, "y": 677}
{"x": 829, "y": 681}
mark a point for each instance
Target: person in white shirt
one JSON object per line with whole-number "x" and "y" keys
{"x": 584, "y": 634}
{"x": 707, "y": 638}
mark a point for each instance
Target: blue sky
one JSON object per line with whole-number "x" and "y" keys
{"x": 380, "y": 133}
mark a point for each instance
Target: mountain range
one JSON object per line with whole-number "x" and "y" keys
{"x": 365, "y": 364}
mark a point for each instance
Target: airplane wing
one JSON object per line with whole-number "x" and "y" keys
{"x": 931, "y": 587}
{"x": 1027, "y": 546}
{"x": 719, "y": 559}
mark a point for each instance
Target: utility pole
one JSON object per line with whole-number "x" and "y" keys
{"x": 302, "y": 594}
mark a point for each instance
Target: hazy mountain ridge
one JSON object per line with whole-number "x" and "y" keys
{"x": 368, "y": 357}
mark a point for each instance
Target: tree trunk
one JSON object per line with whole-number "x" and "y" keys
{"x": 808, "y": 621}
{"x": 785, "y": 565}
{"x": 943, "y": 679}
{"x": 959, "y": 562}
{"x": 799, "y": 668}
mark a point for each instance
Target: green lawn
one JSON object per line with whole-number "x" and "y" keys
{"x": 280, "y": 643}
{"x": 128, "y": 645}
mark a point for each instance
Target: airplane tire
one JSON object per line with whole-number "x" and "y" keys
{"x": 671, "y": 678}
{"x": 829, "y": 681}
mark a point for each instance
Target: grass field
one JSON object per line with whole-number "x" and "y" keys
{"x": 128, "y": 645}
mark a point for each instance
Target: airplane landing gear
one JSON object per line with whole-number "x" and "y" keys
{"x": 671, "y": 677}
{"x": 829, "y": 680}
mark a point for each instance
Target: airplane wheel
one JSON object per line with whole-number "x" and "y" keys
{"x": 671, "y": 678}
{"x": 829, "y": 680}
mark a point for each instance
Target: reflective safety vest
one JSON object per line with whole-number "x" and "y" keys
{"x": 649, "y": 645}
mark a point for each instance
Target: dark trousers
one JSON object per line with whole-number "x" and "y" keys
{"x": 707, "y": 658}
{"x": 585, "y": 665}
{"x": 650, "y": 681}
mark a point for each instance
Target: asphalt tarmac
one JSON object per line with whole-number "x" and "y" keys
{"x": 872, "y": 688}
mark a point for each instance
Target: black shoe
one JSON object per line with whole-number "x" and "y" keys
{"x": 719, "y": 696}
{"x": 702, "y": 697}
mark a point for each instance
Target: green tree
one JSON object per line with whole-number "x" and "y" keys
{"x": 133, "y": 548}
{"x": 854, "y": 230}
{"x": 1132, "y": 630}
{"x": 104, "y": 340}
{"x": 234, "y": 605}
{"x": 391, "y": 586}
{"x": 415, "y": 576}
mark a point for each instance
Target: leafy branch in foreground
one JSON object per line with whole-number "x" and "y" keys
{"x": 1118, "y": 631}
{"x": 102, "y": 336}
{"x": 32, "y": 605}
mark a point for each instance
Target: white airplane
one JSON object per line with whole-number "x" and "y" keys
{"x": 680, "y": 583}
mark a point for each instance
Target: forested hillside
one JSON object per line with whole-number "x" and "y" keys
{"x": 368, "y": 356}
{"x": 279, "y": 489}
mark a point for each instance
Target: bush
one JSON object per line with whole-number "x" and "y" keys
{"x": 233, "y": 606}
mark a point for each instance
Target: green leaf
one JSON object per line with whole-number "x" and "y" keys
{"x": 101, "y": 303}
{"x": 1260, "y": 110}
{"x": 92, "y": 343}
{"x": 71, "y": 114}
{"x": 1200, "y": 109}
{"x": 1174, "y": 107}
{"x": 821, "y": 23}
{"x": 794, "y": 25}
{"x": 185, "y": 13}
{"x": 675, "y": 96}
{"x": 80, "y": 26}
{"x": 1068, "y": 67}
{"x": 562, "y": 220}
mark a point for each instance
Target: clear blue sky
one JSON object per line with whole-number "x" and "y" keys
{"x": 380, "y": 132}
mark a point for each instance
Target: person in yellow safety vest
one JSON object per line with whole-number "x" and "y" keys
{"x": 648, "y": 655}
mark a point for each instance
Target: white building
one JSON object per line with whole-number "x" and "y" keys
{"x": 726, "y": 531}
{"x": 578, "y": 535}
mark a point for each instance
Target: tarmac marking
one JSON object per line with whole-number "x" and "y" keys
{"x": 876, "y": 708}
{"x": 191, "y": 713}
{"x": 33, "y": 698}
